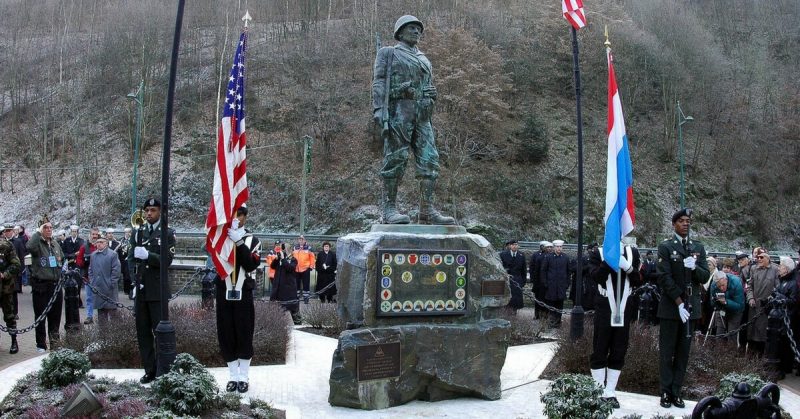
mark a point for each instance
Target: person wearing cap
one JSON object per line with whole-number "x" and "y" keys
{"x": 763, "y": 279}
{"x": 83, "y": 259}
{"x": 105, "y": 271}
{"x": 235, "y": 308}
{"x": 10, "y": 268}
{"x": 147, "y": 258}
{"x": 788, "y": 288}
{"x": 611, "y": 333}
{"x": 681, "y": 268}
{"x": 284, "y": 285}
{"x": 533, "y": 271}
{"x": 73, "y": 243}
{"x": 555, "y": 272}
{"x": 306, "y": 260}
{"x": 47, "y": 259}
{"x": 514, "y": 263}
{"x": 403, "y": 96}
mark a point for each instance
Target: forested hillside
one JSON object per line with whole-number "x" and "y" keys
{"x": 505, "y": 117}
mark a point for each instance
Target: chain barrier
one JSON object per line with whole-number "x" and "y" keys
{"x": 47, "y": 308}
{"x": 540, "y": 303}
{"x": 741, "y": 327}
{"x": 790, "y": 334}
{"x": 297, "y": 300}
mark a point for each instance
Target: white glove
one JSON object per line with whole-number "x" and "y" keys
{"x": 689, "y": 262}
{"x": 625, "y": 265}
{"x": 324, "y": 266}
{"x": 140, "y": 253}
{"x": 602, "y": 291}
{"x": 683, "y": 313}
{"x": 235, "y": 223}
{"x": 236, "y": 234}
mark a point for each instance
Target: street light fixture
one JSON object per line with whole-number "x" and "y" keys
{"x": 137, "y": 97}
{"x": 682, "y": 119}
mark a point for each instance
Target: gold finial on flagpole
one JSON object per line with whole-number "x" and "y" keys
{"x": 246, "y": 18}
{"x": 607, "y": 43}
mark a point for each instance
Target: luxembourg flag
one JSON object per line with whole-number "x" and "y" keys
{"x": 619, "y": 216}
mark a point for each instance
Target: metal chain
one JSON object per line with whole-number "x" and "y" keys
{"x": 297, "y": 300}
{"x": 540, "y": 303}
{"x": 741, "y": 327}
{"x": 790, "y": 334}
{"x": 56, "y": 293}
{"x": 193, "y": 278}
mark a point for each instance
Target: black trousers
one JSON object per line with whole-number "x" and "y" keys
{"x": 42, "y": 292}
{"x": 516, "y": 284}
{"x": 127, "y": 285}
{"x": 554, "y": 317}
{"x": 673, "y": 355}
{"x": 304, "y": 280}
{"x": 609, "y": 344}
{"x": 148, "y": 314}
{"x": 235, "y": 324}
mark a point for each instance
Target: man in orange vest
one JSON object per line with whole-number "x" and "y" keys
{"x": 305, "y": 263}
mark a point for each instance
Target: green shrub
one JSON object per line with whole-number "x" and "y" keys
{"x": 322, "y": 316}
{"x": 525, "y": 329}
{"x": 63, "y": 367}
{"x": 575, "y": 396}
{"x": 230, "y": 401}
{"x": 260, "y": 409}
{"x": 188, "y": 388}
{"x": 730, "y": 380}
{"x": 164, "y": 414}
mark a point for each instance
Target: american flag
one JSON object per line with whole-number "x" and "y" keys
{"x": 573, "y": 12}
{"x": 230, "y": 173}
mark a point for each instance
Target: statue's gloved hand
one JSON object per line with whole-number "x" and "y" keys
{"x": 430, "y": 91}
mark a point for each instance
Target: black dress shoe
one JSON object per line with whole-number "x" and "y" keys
{"x": 243, "y": 387}
{"x": 147, "y": 378}
{"x": 612, "y": 401}
{"x": 678, "y": 402}
{"x": 666, "y": 400}
{"x": 231, "y": 386}
{"x": 14, "y": 347}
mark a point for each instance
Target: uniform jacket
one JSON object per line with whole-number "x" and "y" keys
{"x": 40, "y": 251}
{"x": 71, "y": 246}
{"x": 410, "y": 73}
{"x": 734, "y": 295}
{"x": 534, "y": 269}
{"x": 673, "y": 278}
{"x": 305, "y": 258}
{"x": 104, "y": 274}
{"x": 759, "y": 287}
{"x": 514, "y": 265}
{"x": 10, "y": 266}
{"x": 599, "y": 272}
{"x": 150, "y": 270}
{"x": 248, "y": 257}
{"x": 555, "y": 273}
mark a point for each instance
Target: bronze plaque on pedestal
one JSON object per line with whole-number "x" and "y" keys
{"x": 378, "y": 361}
{"x": 493, "y": 288}
{"x": 422, "y": 282}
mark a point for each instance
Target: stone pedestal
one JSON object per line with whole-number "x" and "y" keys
{"x": 450, "y": 344}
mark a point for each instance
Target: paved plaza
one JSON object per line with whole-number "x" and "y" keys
{"x": 300, "y": 386}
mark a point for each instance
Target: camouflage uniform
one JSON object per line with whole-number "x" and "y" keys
{"x": 10, "y": 267}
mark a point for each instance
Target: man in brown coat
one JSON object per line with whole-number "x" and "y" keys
{"x": 763, "y": 279}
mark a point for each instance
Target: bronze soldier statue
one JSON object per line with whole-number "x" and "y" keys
{"x": 403, "y": 96}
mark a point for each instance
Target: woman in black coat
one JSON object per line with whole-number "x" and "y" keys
{"x": 326, "y": 273}
{"x": 284, "y": 285}
{"x": 787, "y": 273}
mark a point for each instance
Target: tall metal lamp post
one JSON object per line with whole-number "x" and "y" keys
{"x": 682, "y": 119}
{"x": 138, "y": 97}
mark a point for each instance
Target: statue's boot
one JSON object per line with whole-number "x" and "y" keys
{"x": 427, "y": 213}
{"x": 390, "y": 213}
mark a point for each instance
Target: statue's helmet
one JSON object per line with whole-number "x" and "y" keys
{"x": 403, "y": 21}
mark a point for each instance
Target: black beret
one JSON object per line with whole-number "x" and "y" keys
{"x": 152, "y": 202}
{"x": 741, "y": 256}
{"x": 512, "y": 241}
{"x": 680, "y": 213}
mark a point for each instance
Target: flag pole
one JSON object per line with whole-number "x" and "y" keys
{"x": 165, "y": 331}
{"x": 576, "y": 318}
{"x": 618, "y": 319}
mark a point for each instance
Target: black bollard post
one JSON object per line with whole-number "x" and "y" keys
{"x": 774, "y": 329}
{"x": 209, "y": 289}
{"x": 72, "y": 319}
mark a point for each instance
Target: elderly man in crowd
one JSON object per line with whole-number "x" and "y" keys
{"x": 104, "y": 275}
{"x": 727, "y": 296}
{"x": 763, "y": 280}
{"x": 788, "y": 288}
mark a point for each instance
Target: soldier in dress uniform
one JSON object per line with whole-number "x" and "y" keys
{"x": 146, "y": 245}
{"x": 514, "y": 263}
{"x": 681, "y": 269}
{"x": 611, "y": 333}
{"x": 235, "y": 309}
{"x": 10, "y": 268}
